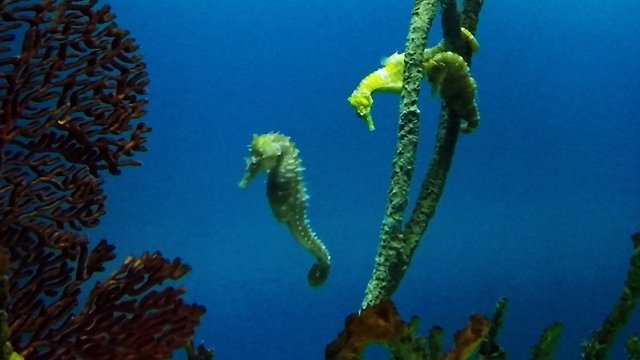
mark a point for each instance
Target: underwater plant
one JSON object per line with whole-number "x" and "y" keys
{"x": 71, "y": 99}
{"x": 446, "y": 67}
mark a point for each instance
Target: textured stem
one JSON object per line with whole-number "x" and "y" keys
{"x": 604, "y": 338}
{"x": 391, "y": 261}
{"x": 397, "y": 245}
{"x": 451, "y": 25}
{"x": 446, "y": 139}
{"x": 470, "y": 14}
{"x": 433, "y": 184}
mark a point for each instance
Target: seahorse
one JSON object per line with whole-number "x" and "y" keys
{"x": 388, "y": 78}
{"x": 448, "y": 75}
{"x": 277, "y": 154}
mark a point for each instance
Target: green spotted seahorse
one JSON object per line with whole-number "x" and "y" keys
{"x": 277, "y": 154}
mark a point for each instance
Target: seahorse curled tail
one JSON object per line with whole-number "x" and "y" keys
{"x": 276, "y": 154}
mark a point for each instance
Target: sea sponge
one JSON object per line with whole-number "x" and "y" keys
{"x": 377, "y": 324}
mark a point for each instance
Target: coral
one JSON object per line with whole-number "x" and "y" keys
{"x": 632, "y": 347}
{"x": 448, "y": 75}
{"x": 466, "y": 340}
{"x": 122, "y": 317}
{"x": 548, "y": 343}
{"x": 278, "y": 155}
{"x": 71, "y": 97}
{"x": 489, "y": 348}
{"x": 199, "y": 352}
{"x": 434, "y": 343}
{"x": 7, "y": 352}
{"x": 399, "y": 240}
{"x": 381, "y": 324}
{"x": 447, "y": 69}
{"x": 388, "y": 79}
{"x": 75, "y": 84}
{"x": 604, "y": 338}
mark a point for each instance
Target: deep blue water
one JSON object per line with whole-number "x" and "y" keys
{"x": 539, "y": 206}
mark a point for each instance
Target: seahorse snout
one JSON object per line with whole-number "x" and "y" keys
{"x": 252, "y": 170}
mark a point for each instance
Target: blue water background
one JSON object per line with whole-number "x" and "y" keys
{"x": 539, "y": 206}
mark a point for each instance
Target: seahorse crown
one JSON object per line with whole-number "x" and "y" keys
{"x": 265, "y": 150}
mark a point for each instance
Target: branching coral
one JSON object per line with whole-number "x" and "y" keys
{"x": 7, "y": 352}
{"x": 381, "y": 324}
{"x": 198, "y": 352}
{"x": 70, "y": 100}
{"x": 74, "y": 85}
{"x": 278, "y": 155}
{"x": 123, "y": 317}
{"x": 489, "y": 348}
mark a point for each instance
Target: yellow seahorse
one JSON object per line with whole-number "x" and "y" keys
{"x": 388, "y": 79}
{"x": 277, "y": 154}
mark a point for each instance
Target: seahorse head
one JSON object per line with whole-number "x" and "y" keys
{"x": 436, "y": 72}
{"x": 265, "y": 150}
{"x": 362, "y": 103}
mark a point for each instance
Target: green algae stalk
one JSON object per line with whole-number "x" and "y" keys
{"x": 434, "y": 342}
{"x": 632, "y": 347}
{"x": 490, "y": 349}
{"x": 6, "y": 352}
{"x": 548, "y": 343}
{"x": 604, "y": 338}
{"x": 392, "y": 259}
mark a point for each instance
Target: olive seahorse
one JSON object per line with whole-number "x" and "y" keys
{"x": 277, "y": 154}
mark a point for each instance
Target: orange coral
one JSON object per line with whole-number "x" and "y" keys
{"x": 379, "y": 324}
{"x": 466, "y": 340}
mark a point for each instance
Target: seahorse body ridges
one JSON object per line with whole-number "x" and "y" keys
{"x": 276, "y": 154}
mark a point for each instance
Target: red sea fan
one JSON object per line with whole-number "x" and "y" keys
{"x": 71, "y": 96}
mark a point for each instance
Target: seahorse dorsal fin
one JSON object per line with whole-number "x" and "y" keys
{"x": 386, "y": 59}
